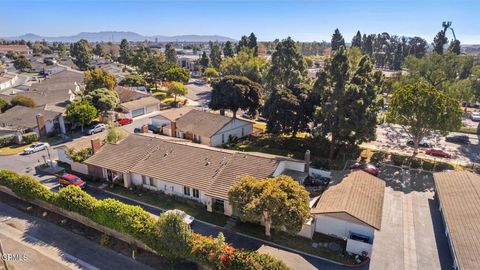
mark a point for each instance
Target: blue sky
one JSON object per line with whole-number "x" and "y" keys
{"x": 305, "y": 20}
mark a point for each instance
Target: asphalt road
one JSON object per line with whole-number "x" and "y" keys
{"x": 48, "y": 246}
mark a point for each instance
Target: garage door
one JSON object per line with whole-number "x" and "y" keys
{"x": 152, "y": 108}
{"x": 138, "y": 112}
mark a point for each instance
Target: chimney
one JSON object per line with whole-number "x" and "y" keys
{"x": 96, "y": 144}
{"x": 145, "y": 129}
{"x": 173, "y": 128}
{"x": 307, "y": 161}
{"x": 41, "y": 125}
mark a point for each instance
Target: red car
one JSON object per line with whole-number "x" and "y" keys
{"x": 368, "y": 168}
{"x": 70, "y": 179}
{"x": 437, "y": 153}
{"x": 124, "y": 121}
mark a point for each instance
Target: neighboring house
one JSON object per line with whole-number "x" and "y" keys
{"x": 38, "y": 120}
{"x": 7, "y": 80}
{"x": 202, "y": 127}
{"x": 19, "y": 49}
{"x": 127, "y": 94}
{"x": 193, "y": 171}
{"x": 94, "y": 142}
{"x": 459, "y": 196}
{"x": 352, "y": 210}
{"x": 140, "y": 106}
{"x": 188, "y": 61}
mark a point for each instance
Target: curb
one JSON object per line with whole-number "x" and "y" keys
{"x": 245, "y": 235}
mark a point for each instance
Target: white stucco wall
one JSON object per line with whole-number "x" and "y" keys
{"x": 62, "y": 155}
{"x": 234, "y": 129}
{"x": 340, "y": 228}
{"x": 289, "y": 165}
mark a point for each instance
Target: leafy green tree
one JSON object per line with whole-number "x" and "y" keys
{"x": 397, "y": 57}
{"x": 211, "y": 72}
{"x": 153, "y": 69}
{"x": 170, "y": 54}
{"x": 81, "y": 112}
{"x": 288, "y": 66}
{"x": 228, "y": 49}
{"x": 115, "y": 134}
{"x": 454, "y": 47}
{"x": 421, "y": 109}
{"x": 177, "y": 89}
{"x": 204, "y": 60}
{"x": 418, "y": 47}
{"x": 125, "y": 52}
{"x": 132, "y": 80}
{"x": 173, "y": 237}
{"x": 82, "y": 54}
{"x": 23, "y": 100}
{"x": 177, "y": 74}
{"x": 103, "y": 99}
{"x": 357, "y": 40}
{"x": 279, "y": 202}
{"x": 98, "y": 51}
{"x": 216, "y": 56}
{"x": 99, "y": 78}
{"x": 245, "y": 64}
{"x": 252, "y": 44}
{"x": 337, "y": 40}
{"x": 289, "y": 110}
{"x": 439, "y": 42}
{"x": 22, "y": 63}
{"x": 347, "y": 108}
{"x": 3, "y": 105}
{"x": 62, "y": 51}
{"x": 234, "y": 93}
{"x": 367, "y": 45}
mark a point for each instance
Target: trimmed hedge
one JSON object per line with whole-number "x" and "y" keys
{"x": 29, "y": 137}
{"x": 7, "y": 140}
{"x": 135, "y": 221}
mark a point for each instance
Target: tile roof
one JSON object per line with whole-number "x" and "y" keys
{"x": 208, "y": 169}
{"x": 459, "y": 195}
{"x": 203, "y": 123}
{"x": 21, "y": 117}
{"x": 140, "y": 103}
{"x": 173, "y": 114}
{"x": 128, "y": 94}
{"x": 14, "y": 48}
{"x": 359, "y": 194}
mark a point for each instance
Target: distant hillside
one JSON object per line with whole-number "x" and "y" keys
{"x": 117, "y": 36}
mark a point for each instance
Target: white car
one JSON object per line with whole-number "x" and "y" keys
{"x": 475, "y": 116}
{"x": 186, "y": 218}
{"x": 96, "y": 129}
{"x": 35, "y": 148}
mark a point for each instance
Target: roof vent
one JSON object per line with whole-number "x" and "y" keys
{"x": 207, "y": 163}
{"x": 165, "y": 155}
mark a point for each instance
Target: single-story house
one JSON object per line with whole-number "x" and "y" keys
{"x": 140, "y": 106}
{"x": 94, "y": 142}
{"x": 7, "y": 80}
{"x": 201, "y": 126}
{"x": 352, "y": 210}
{"x": 193, "y": 171}
{"x": 126, "y": 94}
{"x": 459, "y": 196}
{"x": 38, "y": 120}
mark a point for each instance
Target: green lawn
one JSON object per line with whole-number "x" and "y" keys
{"x": 195, "y": 209}
{"x": 298, "y": 242}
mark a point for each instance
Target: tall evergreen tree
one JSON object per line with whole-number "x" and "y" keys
{"x": 252, "y": 44}
{"x": 125, "y": 52}
{"x": 82, "y": 54}
{"x": 170, "y": 54}
{"x": 216, "y": 56}
{"x": 367, "y": 45}
{"x": 242, "y": 43}
{"x": 397, "y": 57}
{"x": 439, "y": 42}
{"x": 454, "y": 46}
{"x": 418, "y": 47}
{"x": 228, "y": 49}
{"x": 357, "y": 40}
{"x": 204, "y": 60}
{"x": 98, "y": 51}
{"x": 347, "y": 110}
{"x": 337, "y": 40}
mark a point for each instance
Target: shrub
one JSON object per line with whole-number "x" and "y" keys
{"x": 23, "y": 101}
{"x": 160, "y": 95}
{"x": 25, "y": 186}
{"x": 443, "y": 166}
{"x": 173, "y": 236}
{"x": 105, "y": 240}
{"x": 7, "y": 140}
{"x": 30, "y": 137}
{"x": 74, "y": 199}
{"x": 428, "y": 165}
{"x": 378, "y": 157}
{"x": 415, "y": 163}
{"x": 398, "y": 160}
{"x": 80, "y": 155}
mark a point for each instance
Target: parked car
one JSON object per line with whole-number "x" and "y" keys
{"x": 186, "y": 218}
{"x": 438, "y": 153}
{"x": 460, "y": 139}
{"x": 96, "y": 129}
{"x": 199, "y": 82}
{"x": 423, "y": 143}
{"x": 35, "y": 148}
{"x": 68, "y": 179}
{"x": 124, "y": 121}
{"x": 475, "y": 116}
{"x": 368, "y": 168}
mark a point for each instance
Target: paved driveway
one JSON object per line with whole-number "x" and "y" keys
{"x": 199, "y": 95}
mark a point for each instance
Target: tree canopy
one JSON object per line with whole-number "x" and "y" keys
{"x": 99, "y": 78}
{"x": 216, "y": 56}
{"x": 125, "y": 52}
{"x": 357, "y": 40}
{"x": 228, "y": 49}
{"x": 23, "y": 100}
{"x": 81, "y": 112}
{"x": 103, "y": 99}
{"x": 170, "y": 54}
{"x": 177, "y": 89}
{"x": 174, "y": 236}
{"x": 337, "y": 40}
{"x": 82, "y": 54}
{"x": 279, "y": 202}
{"x": 247, "y": 65}
{"x": 177, "y": 74}
{"x": 3, "y": 105}
{"x": 22, "y": 63}
{"x": 234, "y": 93}
{"x": 421, "y": 109}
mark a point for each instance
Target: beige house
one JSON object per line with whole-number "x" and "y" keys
{"x": 193, "y": 171}
{"x": 459, "y": 196}
{"x": 352, "y": 210}
{"x": 139, "y": 107}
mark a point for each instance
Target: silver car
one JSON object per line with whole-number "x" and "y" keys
{"x": 35, "y": 148}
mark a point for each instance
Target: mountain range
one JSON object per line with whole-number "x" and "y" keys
{"x": 117, "y": 36}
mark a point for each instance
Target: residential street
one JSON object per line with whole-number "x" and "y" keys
{"x": 48, "y": 246}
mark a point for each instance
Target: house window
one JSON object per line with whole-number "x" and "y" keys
{"x": 243, "y": 134}
{"x": 144, "y": 179}
{"x": 165, "y": 188}
{"x": 223, "y": 138}
{"x": 196, "y": 194}
{"x": 152, "y": 182}
{"x": 171, "y": 188}
{"x": 186, "y": 191}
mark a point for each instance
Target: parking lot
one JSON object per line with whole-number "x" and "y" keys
{"x": 394, "y": 139}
